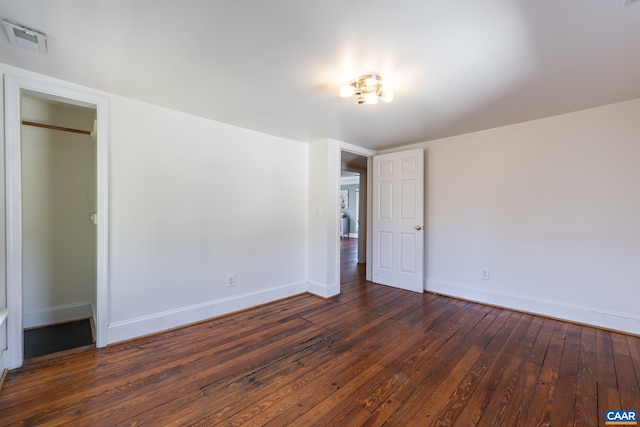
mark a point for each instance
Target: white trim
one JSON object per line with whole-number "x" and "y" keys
{"x": 345, "y": 146}
{"x": 63, "y": 313}
{"x": 623, "y": 322}
{"x": 13, "y": 88}
{"x": 13, "y": 207}
{"x": 4, "y": 312}
{"x": 153, "y": 323}
{"x": 354, "y": 149}
{"x": 102, "y": 254}
{"x": 323, "y": 290}
{"x": 350, "y": 180}
{"x": 369, "y": 216}
{"x": 334, "y": 164}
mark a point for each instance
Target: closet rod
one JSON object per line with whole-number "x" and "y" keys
{"x": 42, "y": 125}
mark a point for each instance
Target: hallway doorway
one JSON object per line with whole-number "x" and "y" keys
{"x": 350, "y": 270}
{"x": 353, "y": 220}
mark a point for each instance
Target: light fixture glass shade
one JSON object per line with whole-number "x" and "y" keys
{"x": 371, "y": 98}
{"x": 346, "y": 91}
{"x": 386, "y": 96}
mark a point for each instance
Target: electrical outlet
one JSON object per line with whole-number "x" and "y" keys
{"x": 231, "y": 280}
{"x": 485, "y": 274}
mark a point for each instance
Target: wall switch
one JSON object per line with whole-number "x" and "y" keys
{"x": 318, "y": 211}
{"x": 231, "y": 280}
{"x": 486, "y": 274}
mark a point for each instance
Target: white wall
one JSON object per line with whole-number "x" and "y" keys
{"x": 58, "y": 197}
{"x": 324, "y": 253}
{"x": 192, "y": 200}
{"x": 551, "y": 207}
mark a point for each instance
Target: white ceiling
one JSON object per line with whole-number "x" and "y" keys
{"x": 275, "y": 66}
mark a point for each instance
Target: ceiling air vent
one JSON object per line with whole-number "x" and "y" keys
{"x": 26, "y": 38}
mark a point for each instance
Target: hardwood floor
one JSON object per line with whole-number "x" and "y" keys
{"x": 374, "y": 355}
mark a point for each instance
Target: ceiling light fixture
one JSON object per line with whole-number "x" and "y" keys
{"x": 367, "y": 89}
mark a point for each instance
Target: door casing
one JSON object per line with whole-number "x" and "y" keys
{"x": 14, "y": 87}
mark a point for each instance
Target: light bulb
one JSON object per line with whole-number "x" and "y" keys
{"x": 371, "y": 98}
{"x": 386, "y": 96}
{"x": 346, "y": 91}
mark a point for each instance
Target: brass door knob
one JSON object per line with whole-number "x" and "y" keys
{"x": 418, "y": 227}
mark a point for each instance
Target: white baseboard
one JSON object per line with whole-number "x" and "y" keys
{"x": 623, "y": 322}
{"x": 145, "y": 325}
{"x": 323, "y": 290}
{"x": 3, "y": 340}
{"x": 3, "y": 365}
{"x": 63, "y": 313}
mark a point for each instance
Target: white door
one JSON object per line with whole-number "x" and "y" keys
{"x": 398, "y": 220}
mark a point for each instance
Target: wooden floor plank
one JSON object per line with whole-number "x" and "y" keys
{"x": 608, "y": 399}
{"x": 564, "y": 401}
{"x": 501, "y": 398}
{"x": 605, "y": 368}
{"x": 200, "y": 410}
{"x": 319, "y": 381}
{"x": 440, "y": 364}
{"x": 625, "y": 374}
{"x": 372, "y": 356}
{"x": 634, "y": 352}
{"x": 539, "y": 413}
{"x": 530, "y": 337}
{"x": 148, "y": 381}
{"x": 403, "y": 386}
{"x": 396, "y": 365}
{"x": 522, "y": 395}
{"x": 586, "y": 406}
{"x": 539, "y": 349}
{"x": 501, "y": 348}
{"x": 571, "y": 351}
{"x": 442, "y": 392}
{"x": 145, "y": 354}
{"x": 145, "y": 400}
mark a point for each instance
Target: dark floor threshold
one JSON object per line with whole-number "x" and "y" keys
{"x": 59, "y": 337}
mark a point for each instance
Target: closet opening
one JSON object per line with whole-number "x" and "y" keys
{"x": 62, "y": 215}
{"x": 59, "y": 217}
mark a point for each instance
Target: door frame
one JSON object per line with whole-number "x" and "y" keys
{"x": 13, "y": 89}
{"x": 364, "y": 152}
